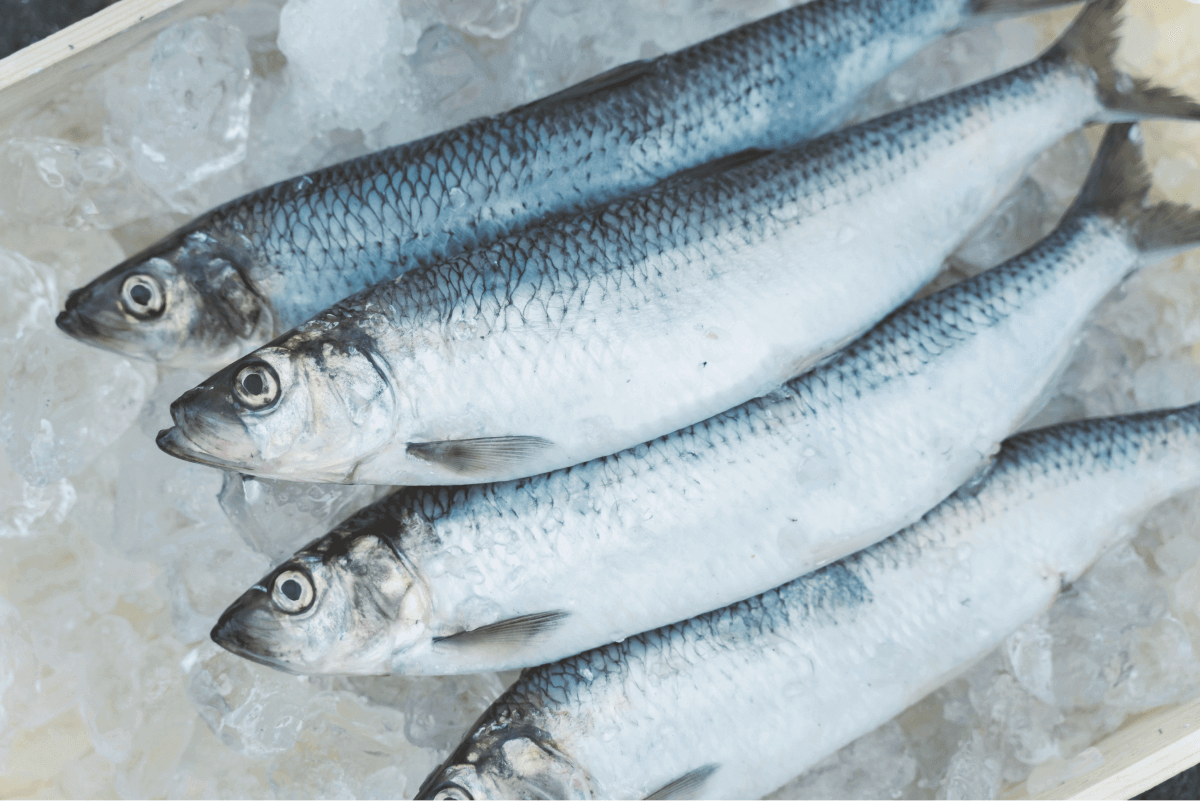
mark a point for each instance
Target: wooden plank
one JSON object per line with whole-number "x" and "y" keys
{"x": 1148, "y": 749}
{"x": 32, "y": 76}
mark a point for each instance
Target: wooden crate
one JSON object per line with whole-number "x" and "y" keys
{"x": 33, "y": 75}
{"x": 1146, "y": 750}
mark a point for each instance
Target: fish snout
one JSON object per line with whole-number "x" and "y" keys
{"x": 248, "y": 629}
{"x": 74, "y": 321}
{"x": 68, "y": 322}
{"x": 74, "y": 299}
{"x": 187, "y": 410}
{"x": 208, "y": 430}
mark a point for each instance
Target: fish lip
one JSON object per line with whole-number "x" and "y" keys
{"x": 173, "y": 442}
{"x": 66, "y": 321}
{"x": 226, "y": 634}
{"x": 240, "y": 650}
{"x": 223, "y": 637}
{"x": 74, "y": 324}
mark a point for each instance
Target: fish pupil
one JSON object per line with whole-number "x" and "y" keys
{"x": 291, "y": 588}
{"x": 254, "y": 385}
{"x": 140, "y": 295}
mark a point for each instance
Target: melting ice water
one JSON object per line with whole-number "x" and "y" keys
{"x": 118, "y": 559}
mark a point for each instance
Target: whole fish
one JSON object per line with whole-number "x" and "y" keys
{"x": 589, "y": 335}
{"x": 734, "y": 703}
{"x": 456, "y": 580}
{"x": 257, "y": 266}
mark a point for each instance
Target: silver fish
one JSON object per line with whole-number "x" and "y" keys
{"x": 456, "y": 580}
{"x": 263, "y": 263}
{"x": 734, "y": 703}
{"x": 592, "y": 334}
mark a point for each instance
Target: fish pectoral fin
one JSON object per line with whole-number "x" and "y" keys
{"x": 505, "y": 636}
{"x": 474, "y": 457}
{"x": 686, "y": 786}
{"x": 617, "y": 76}
{"x": 719, "y": 165}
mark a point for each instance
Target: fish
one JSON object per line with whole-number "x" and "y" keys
{"x": 443, "y": 580}
{"x": 251, "y": 269}
{"x": 735, "y": 702}
{"x": 591, "y": 335}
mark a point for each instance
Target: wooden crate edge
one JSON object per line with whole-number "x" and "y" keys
{"x": 32, "y": 75}
{"x": 1147, "y": 750}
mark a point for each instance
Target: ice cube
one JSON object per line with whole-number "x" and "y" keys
{"x": 277, "y": 517}
{"x": 1020, "y": 220}
{"x": 338, "y": 86}
{"x": 22, "y": 504}
{"x": 1029, "y": 654}
{"x": 63, "y": 402}
{"x": 209, "y": 769}
{"x": 45, "y": 180}
{"x": 183, "y": 110}
{"x": 494, "y": 19}
{"x": 974, "y": 770}
{"x": 254, "y": 710}
{"x": 876, "y": 765}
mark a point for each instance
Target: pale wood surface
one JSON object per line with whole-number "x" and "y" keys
{"x": 1147, "y": 750}
{"x": 31, "y": 76}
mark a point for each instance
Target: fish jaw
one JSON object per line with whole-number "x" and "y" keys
{"x": 173, "y": 442}
{"x": 245, "y": 626}
{"x": 209, "y": 431}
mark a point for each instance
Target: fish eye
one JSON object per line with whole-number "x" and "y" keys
{"x": 142, "y": 296}
{"x": 452, "y": 791}
{"x": 293, "y": 592}
{"x": 256, "y": 386}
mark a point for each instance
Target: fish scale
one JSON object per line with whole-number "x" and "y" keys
{"x": 686, "y": 300}
{"x": 760, "y": 689}
{"x": 303, "y": 244}
{"x": 834, "y": 461}
{"x": 519, "y": 149}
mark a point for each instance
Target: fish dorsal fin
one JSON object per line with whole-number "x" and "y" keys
{"x": 617, "y": 76}
{"x": 687, "y": 785}
{"x": 719, "y": 165}
{"x": 473, "y": 457}
{"x": 505, "y": 636}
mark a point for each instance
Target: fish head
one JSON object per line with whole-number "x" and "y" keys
{"x": 341, "y": 605}
{"x": 305, "y": 407}
{"x": 183, "y": 302}
{"x": 507, "y": 756}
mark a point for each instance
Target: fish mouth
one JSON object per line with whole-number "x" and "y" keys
{"x": 174, "y": 442}
{"x": 202, "y": 422}
{"x": 238, "y": 636}
{"x": 74, "y": 324}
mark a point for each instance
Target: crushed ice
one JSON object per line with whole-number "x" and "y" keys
{"x": 118, "y": 559}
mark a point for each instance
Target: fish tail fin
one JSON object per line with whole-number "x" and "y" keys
{"x": 984, "y": 10}
{"x": 1118, "y": 184}
{"x": 1119, "y": 177}
{"x": 1091, "y": 41}
{"x": 1166, "y": 229}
